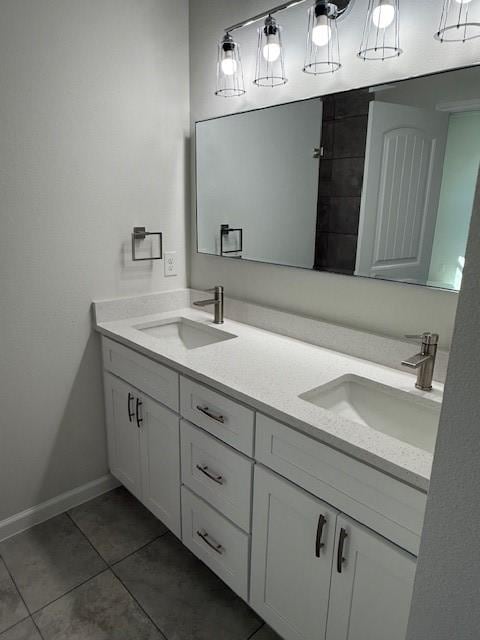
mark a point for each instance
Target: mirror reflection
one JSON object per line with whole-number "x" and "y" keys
{"x": 376, "y": 182}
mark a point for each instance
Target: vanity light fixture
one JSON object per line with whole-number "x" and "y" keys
{"x": 381, "y": 33}
{"x": 229, "y": 69}
{"x": 380, "y": 40}
{"x": 460, "y": 21}
{"x": 270, "y": 68}
{"x": 323, "y": 51}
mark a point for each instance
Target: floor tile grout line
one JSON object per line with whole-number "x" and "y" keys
{"x": 20, "y": 595}
{"x": 111, "y": 564}
{"x": 37, "y": 628}
{"x": 86, "y": 538}
{"x": 256, "y": 631}
{"x": 138, "y": 603}
{"x": 132, "y": 553}
{"x": 80, "y": 584}
{"x": 14, "y": 625}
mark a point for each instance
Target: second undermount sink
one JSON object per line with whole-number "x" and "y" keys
{"x": 185, "y": 332}
{"x": 405, "y": 416}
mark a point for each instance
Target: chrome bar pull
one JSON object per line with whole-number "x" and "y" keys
{"x": 213, "y": 544}
{"x": 129, "y": 407}
{"x": 341, "y": 544}
{"x": 210, "y": 474}
{"x": 206, "y": 411}
{"x": 138, "y": 406}
{"x": 322, "y": 521}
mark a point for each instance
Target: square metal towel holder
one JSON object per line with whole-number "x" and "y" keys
{"x": 140, "y": 233}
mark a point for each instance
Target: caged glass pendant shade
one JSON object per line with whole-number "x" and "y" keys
{"x": 270, "y": 69}
{"x": 323, "y": 51}
{"x": 460, "y": 21}
{"x": 229, "y": 69}
{"x": 381, "y": 33}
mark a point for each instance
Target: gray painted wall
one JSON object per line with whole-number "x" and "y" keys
{"x": 94, "y": 112}
{"x": 388, "y": 308}
{"x": 446, "y": 602}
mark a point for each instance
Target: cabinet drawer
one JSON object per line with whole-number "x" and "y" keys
{"x": 157, "y": 381}
{"x": 384, "y": 504}
{"x": 216, "y": 541}
{"x": 217, "y": 473}
{"x": 227, "y": 420}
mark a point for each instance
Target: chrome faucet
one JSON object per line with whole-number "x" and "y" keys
{"x": 424, "y": 361}
{"x": 217, "y": 300}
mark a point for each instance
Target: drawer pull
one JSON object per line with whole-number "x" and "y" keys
{"x": 208, "y": 413}
{"x": 210, "y": 474}
{"x": 130, "y": 410}
{"x": 322, "y": 521}
{"x": 341, "y": 543}
{"x": 210, "y": 541}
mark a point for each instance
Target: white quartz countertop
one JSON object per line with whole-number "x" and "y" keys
{"x": 268, "y": 372}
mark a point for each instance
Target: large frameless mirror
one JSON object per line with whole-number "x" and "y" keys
{"x": 376, "y": 182}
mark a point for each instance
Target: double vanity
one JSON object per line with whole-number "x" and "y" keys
{"x": 298, "y": 474}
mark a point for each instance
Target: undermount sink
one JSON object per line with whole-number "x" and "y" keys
{"x": 405, "y": 416}
{"x": 185, "y": 332}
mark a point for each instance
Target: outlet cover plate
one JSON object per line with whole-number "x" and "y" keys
{"x": 170, "y": 263}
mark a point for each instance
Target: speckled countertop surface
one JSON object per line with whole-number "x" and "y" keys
{"x": 269, "y": 372}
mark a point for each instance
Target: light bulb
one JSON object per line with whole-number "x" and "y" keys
{"x": 384, "y": 14}
{"x": 229, "y": 64}
{"x": 321, "y": 32}
{"x": 271, "y": 51}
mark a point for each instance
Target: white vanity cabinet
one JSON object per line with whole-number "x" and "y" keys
{"x": 371, "y": 588}
{"x": 160, "y": 463}
{"x": 263, "y": 504}
{"x": 143, "y": 434}
{"x": 311, "y": 564}
{"x": 293, "y": 540}
{"x": 123, "y": 435}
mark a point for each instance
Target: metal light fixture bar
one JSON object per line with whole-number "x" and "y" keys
{"x": 265, "y": 14}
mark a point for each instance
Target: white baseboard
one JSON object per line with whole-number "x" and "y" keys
{"x": 46, "y": 510}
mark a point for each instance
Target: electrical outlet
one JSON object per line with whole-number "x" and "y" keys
{"x": 170, "y": 263}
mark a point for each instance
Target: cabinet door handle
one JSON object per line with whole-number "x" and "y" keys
{"x": 213, "y": 544}
{"x": 210, "y": 474}
{"x": 341, "y": 543}
{"x": 209, "y": 414}
{"x": 129, "y": 408}
{"x": 322, "y": 521}
{"x": 138, "y": 406}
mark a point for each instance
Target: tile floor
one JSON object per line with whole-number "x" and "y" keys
{"x": 109, "y": 570}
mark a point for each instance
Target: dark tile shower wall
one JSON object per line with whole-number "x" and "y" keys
{"x": 344, "y": 133}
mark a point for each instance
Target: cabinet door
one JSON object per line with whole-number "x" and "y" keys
{"x": 291, "y": 557}
{"x": 372, "y": 583}
{"x": 123, "y": 434}
{"x": 160, "y": 455}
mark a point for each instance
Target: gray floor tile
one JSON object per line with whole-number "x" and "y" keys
{"x": 184, "y": 598}
{"x": 117, "y": 524}
{"x": 49, "y": 559}
{"x": 25, "y": 630}
{"x": 100, "y": 609}
{"x": 12, "y": 609}
{"x": 266, "y": 633}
